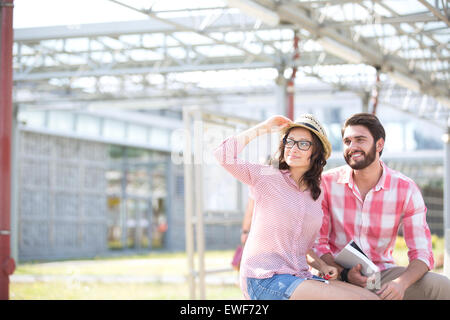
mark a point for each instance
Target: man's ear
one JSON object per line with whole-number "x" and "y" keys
{"x": 380, "y": 145}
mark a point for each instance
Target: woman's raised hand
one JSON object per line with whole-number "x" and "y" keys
{"x": 273, "y": 124}
{"x": 276, "y": 123}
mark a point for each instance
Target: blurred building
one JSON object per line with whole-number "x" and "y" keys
{"x": 92, "y": 183}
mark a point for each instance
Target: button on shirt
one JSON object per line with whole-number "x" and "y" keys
{"x": 395, "y": 202}
{"x": 285, "y": 223}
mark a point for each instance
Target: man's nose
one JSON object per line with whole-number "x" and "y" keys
{"x": 351, "y": 145}
{"x": 350, "y": 148}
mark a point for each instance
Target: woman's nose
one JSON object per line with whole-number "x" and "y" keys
{"x": 296, "y": 149}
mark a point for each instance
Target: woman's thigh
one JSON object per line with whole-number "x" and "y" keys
{"x": 334, "y": 290}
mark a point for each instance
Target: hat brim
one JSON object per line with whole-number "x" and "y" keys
{"x": 325, "y": 142}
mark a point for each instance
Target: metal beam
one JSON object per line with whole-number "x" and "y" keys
{"x": 416, "y": 18}
{"x": 179, "y": 26}
{"x": 80, "y": 73}
{"x": 6, "y": 42}
{"x": 229, "y": 22}
{"x": 224, "y": 27}
{"x": 155, "y": 66}
{"x": 304, "y": 18}
{"x": 435, "y": 11}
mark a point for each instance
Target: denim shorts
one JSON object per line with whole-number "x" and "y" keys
{"x": 278, "y": 287}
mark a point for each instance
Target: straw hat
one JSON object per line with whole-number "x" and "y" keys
{"x": 308, "y": 121}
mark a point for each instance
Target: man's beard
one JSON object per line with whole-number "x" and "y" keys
{"x": 367, "y": 160}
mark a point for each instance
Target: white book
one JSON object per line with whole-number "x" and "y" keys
{"x": 352, "y": 255}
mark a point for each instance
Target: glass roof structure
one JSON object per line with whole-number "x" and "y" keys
{"x": 174, "y": 53}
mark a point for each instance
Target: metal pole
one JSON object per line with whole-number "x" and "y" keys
{"x": 7, "y": 264}
{"x": 188, "y": 201}
{"x": 15, "y": 143}
{"x": 376, "y": 92}
{"x": 124, "y": 199}
{"x": 198, "y": 188}
{"x": 281, "y": 90}
{"x": 150, "y": 207}
{"x": 290, "y": 89}
{"x": 365, "y": 99}
{"x": 169, "y": 208}
{"x": 447, "y": 200}
{"x": 290, "y": 98}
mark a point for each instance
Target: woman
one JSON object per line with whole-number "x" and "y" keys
{"x": 287, "y": 215}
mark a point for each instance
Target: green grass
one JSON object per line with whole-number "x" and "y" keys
{"x": 162, "y": 264}
{"x": 152, "y": 264}
{"x": 63, "y": 290}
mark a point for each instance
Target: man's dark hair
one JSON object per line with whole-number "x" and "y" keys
{"x": 369, "y": 121}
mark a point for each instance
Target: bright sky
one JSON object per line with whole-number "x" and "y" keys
{"x": 38, "y": 13}
{"x": 32, "y": 13}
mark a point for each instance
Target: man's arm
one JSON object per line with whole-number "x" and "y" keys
{"x": 322, "y": 246}
{"x": 418, "y": 240}
{"x": 415, "y": 229}
{"x": 395, "y": 289}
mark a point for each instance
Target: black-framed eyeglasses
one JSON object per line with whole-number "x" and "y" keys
{"x": 301, "y": 144}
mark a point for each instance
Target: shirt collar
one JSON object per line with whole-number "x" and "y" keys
{"x": 384, "y": 183}
{"x": 385, "y": 179}
{"x": 288, "y": 178}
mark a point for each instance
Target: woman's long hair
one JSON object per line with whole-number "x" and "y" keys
{"x": 312, "y": 177}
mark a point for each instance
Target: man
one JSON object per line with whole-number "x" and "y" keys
{"x": 368, "y": 202}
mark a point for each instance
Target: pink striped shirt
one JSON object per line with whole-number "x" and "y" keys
{"x": 393, "y": 203}
{"x": 285, "y": 223}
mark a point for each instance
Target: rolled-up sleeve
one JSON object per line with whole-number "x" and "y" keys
{"x": 227, "y": 156}
{"x": 415, "y": 229}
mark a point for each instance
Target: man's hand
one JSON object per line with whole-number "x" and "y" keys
{"x": 392, "y": 290}
{"x": 395, "y": 289}
{"x": 355, "y": 277}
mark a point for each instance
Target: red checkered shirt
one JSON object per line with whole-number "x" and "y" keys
{"x": 373, "y": 224}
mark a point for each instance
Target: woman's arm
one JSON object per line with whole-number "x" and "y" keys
{"x": 320, "y": 265}
{"x": 227, "y": 153}
{"x": 314, "y": 261}
{"x": 247, "y": 221}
